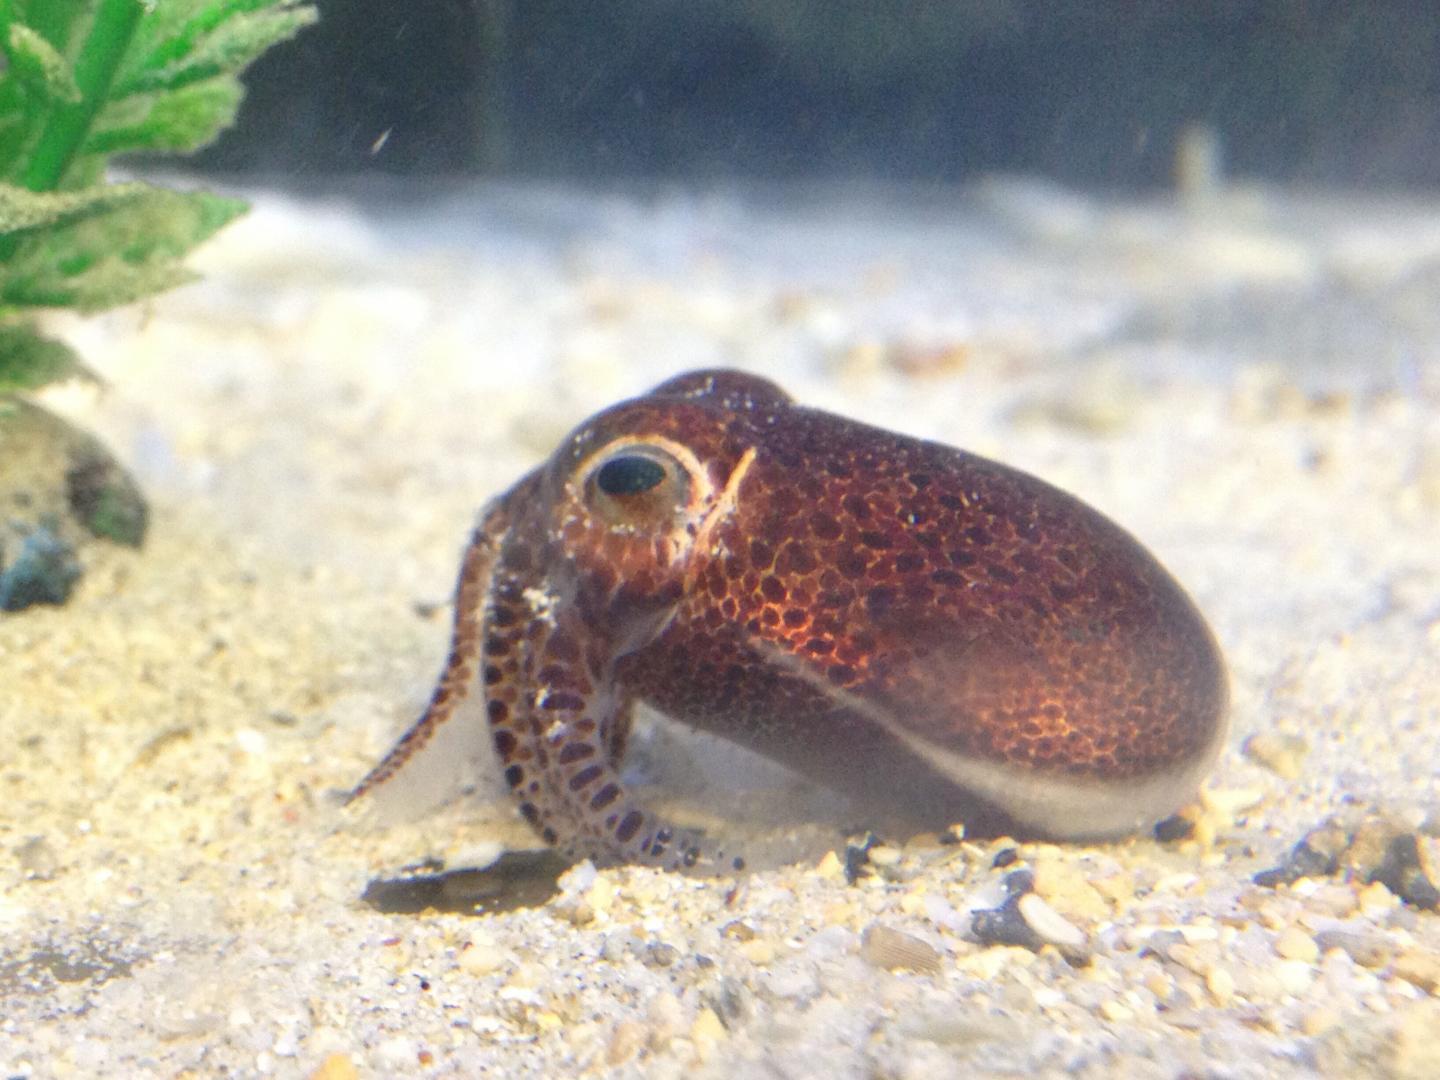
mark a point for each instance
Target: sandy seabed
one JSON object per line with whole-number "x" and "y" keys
{"x": 1250, "y": 384}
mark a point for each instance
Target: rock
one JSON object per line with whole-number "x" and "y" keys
{"x": 1317, "y": 855}
{"x": 857, "y": 856}
{"x": 59, "y": 490}
{"x": 1374, "y": 848}
{"x": 1025, "y": 919}
{"x": 1005, "y": 926}
{"x": 1401, "y": 871}
{"x": 517, "y": 879}
{"x": 43, "y": 572}
{"x": 105, "y": 499}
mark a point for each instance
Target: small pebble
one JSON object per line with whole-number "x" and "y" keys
{"x": 397, "y": 1052}
{"x": 706, "y": 1033}
{"x": 37, "y": 859}
{"x": 1294, "y": 976}
{"x": 1376, "y": 899}
{"x": 1305, "y": 859}
{"x": 1050, "y": 925}
{"x": 857, "y": 857}
{"x": 625, "y": 1041}
{"x": 1366, "y": 949}
{"x": 575, "y": 911}
{"x": 1228, "y": 803}
{"x": 1319, "y": 1020}
{"x": 1284, "y": 755}
{"x": 252, "y": 743}
{"x": 659, "y": 954}
{"x": 616, "y": 945}
{"x": 830, "y": 867}
{"x": 1295, "y": 944}
{"x": 758, "y": 951}
{"x": 1422, "y": 969}
{"x": 601, "y": 895}
{"x": 1065, "y": 884}
{"x": 1115, "y": 1012}
{"x": 884, "y": 855}
{"x": 666, "y": 1016}
{"x": 1159, "y": 984}
{"x": 1174, "y": 828}
{"x": 1221, "y": 984}
{"x": 42, "y": 572}
{"x": 578, "y": 878}
{"x": 1187, "y": 956}
{"x": 336, "y": 1066}
{"x": 480, "y": 957}
{"x": 1019, "y": 882}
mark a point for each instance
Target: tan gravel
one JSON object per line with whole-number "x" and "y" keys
{"x": 1253, "y": 389}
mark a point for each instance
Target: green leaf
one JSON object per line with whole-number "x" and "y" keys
{"x": 29, "y": 361}
{"x": 179, "y": 121}
{"x": 22, "y": 209}
{"x": 81, "y": 80}
{"x": 114, "y": 253}
{"x": 207, "y": 47}
{"x": 38, "y": 66}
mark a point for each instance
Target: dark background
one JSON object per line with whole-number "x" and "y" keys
{"x": 1335, "y": 92}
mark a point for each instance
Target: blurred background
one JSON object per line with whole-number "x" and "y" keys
{"x": 1095, "y": 94}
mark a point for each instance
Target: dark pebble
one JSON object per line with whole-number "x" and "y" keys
{"x": 1173, "y": 829}
{"x": 1402, "y": 873}
{"x": 105, "y": 499}
{"x": 1018, "y": 882}
{"x": 1302, "y": 862}
{"x": 43, "y": 572}
{"x": 857, "y": 857}
{"x": 659, "y": 954}
{"x": 518, "y": 879}
{"x": 727, "y": 998}
{"x": 1006, "y": 926}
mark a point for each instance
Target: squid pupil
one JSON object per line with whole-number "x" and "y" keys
{"x": 629, "y": 475}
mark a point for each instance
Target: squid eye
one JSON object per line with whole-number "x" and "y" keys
{"x": 639, "y": 486}
{"x": 629, "y": 474}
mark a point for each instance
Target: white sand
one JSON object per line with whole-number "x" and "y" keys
{"x": 1252, "y": 387}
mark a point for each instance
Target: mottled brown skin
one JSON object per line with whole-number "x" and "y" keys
{"x": 902, "y": 620}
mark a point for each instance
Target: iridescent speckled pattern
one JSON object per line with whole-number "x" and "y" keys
{"x": 897, "y": 618}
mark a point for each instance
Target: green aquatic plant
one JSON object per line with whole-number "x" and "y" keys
{"x": 82, "y": 81}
